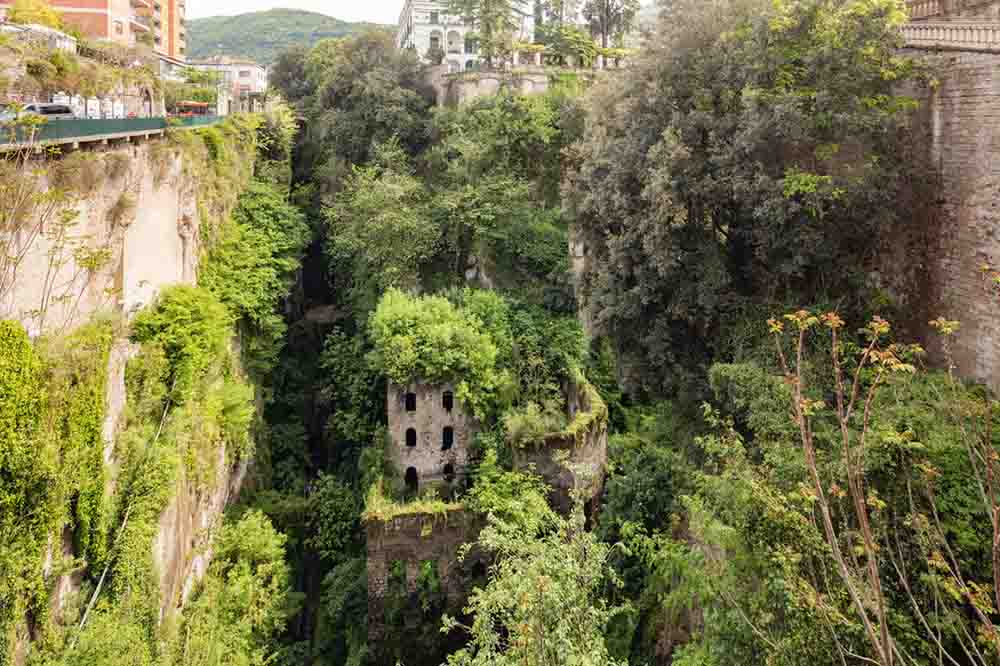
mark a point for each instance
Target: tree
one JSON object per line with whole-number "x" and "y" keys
{"x": 367, "y": 92}
{"x": 288, "y": 74}
{"x": 543, "y": 604}
{"x": 244, "y": 600}
{"x": 378, "y": 225}
{"x": 747, "y": 191}
{"x": 855, "y": 398}
{"x": 611, "y": 19}
{"x": 495, "y": 22}
{"x": 38, "y": 12}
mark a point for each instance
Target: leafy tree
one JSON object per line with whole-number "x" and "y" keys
{"x": 379, "y": 228}
{"x": 544, "y": 601}
{"x": 254, "y": 266}
{"x": 367, "y": 92}
{"x": 611, "y": 19}
{"x": 333, "y": 521}
{"x": 740, "y": 179}
{"x": 242, "y": 602}
{"x": 494, "y": 21}
{"x": 192, "y": 326}
{"x": 430, "y": 339}
{"x": 34, "y": 11}
{"x": 288, "y": 74}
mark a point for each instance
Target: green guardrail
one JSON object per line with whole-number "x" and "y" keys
{"x": 64, "y": 130}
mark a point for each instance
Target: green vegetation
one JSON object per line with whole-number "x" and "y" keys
{"x": 261, "y": 36}
{"x": 188, "y": 400}
{"x": 754, "y": 192}
{"x": 430, "y": 340}
{"x": 801, "y": 490}
{"x": 39, "y": 12}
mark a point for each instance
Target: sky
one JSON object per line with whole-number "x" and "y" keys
{"x": 377, "y": 11}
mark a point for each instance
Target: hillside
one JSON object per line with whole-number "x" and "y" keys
{"x": 261, "y": 36}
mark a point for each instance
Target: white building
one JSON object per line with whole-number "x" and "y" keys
{"x": 245, "y": 77}
{"x": 425, "y": 24}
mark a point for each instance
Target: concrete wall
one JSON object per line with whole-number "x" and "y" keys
{"x": 957, "y": 132}
{"x": 429, "y": 421}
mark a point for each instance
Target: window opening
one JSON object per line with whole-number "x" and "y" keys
{"x": 448, "y": 400}
{"x": 447, "y": 438}
{"x": 411, "y": 437}
{"x": 411, "y": 402}
{"x": 412, "y": 483}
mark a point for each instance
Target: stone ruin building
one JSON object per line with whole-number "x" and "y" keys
{"x": 430, "y": 434}
{"x": 575, "y": 458}
{"x": 430, "y": 437}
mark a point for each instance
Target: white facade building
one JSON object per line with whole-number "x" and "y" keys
{"x": 425, "y": 24}
{"x": 243, "y": 76}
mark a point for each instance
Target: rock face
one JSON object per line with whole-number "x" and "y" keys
{"x": 430, "y": 431}
{"x": 182, "y": 550}
{"x": 151, "y": 243}
{"x": 142, "y": 215}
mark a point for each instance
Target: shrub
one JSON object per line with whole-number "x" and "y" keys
{"x": 429, "y": 339}
{"x": 192, "y": 326}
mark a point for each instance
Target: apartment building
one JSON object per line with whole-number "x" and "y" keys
{"x": 157, "y": 22}
{"x": 244, "y": 77}
{"x": 165, "y": 20}
{"x": 424, "y": 25}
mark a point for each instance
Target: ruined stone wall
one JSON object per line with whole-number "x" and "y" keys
{"x": 408, "y": 542}
{"x": 429, "y": 420}
{"x": 576, "y": 457}
{"x": 458, "y": 89}
{"x": 956, "y": 131}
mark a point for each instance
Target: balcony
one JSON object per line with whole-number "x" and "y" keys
{"x": 141, "y": 23}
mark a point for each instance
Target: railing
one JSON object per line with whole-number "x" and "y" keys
{"x": 970, "y": 36}
{"x": 918, "y": 9}
{"x": 83, "y": 129}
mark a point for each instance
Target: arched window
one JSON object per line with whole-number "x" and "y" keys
{"x": 411, "y": 402}
{"x": 412, "y": 482}
{"x": 448, "y": 401}
{"x": 411, "y": 437}
{"x": 447, "y": 438}
{"x": 449, "y": 472}
{"x": 471, "y": 46}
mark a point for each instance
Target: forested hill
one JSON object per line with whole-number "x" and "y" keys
{"x": 261, "y": 36}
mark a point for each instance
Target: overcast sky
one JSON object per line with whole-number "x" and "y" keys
{"x": 377, "y": 11}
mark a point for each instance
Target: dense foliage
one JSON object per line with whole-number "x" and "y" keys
{"x": 792, "y": 491}
{"x": 760, "y": 170}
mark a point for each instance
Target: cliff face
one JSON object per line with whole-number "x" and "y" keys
{"x": 132, "y": 229}
{"x": 108, "y": 230}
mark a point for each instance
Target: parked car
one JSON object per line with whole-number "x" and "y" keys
{"x": 51, "y": 111}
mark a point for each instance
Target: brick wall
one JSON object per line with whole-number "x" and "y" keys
{"x": 957, "y": 131}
